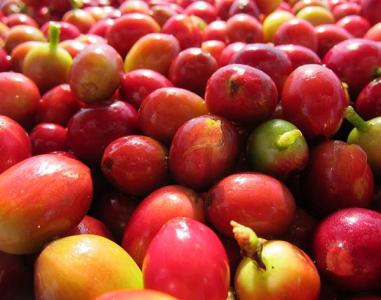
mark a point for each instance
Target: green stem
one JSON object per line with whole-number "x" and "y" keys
{"x": 250, "y": 244}
{"x": 377, "y": 72}
{"x": 354, "y": 118}
{"x": 54, "y": 35}
{"x": 75, "y": 4}
{"x": 288, "y": 138}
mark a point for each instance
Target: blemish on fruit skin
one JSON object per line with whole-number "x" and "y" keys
{"x": 339, "y": 260}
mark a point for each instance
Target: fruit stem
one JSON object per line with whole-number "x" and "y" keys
{"x": 354, "y": 118}
{"x": 287, "y": 139}
{"x": 75, "y": 4}
{"x": 248, "y": 241}
{"x": 377, "y": 73}
{"x": 54, "y": 35}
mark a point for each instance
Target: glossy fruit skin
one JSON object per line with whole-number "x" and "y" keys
{"x": 279, "y": 280}
{"x": 184, "y": 28}
{"x": 47, "y": 67}
{"x": 203, "y": 10}
{"x": 154, "y": 51}
{"x": 129, "y": 28}
{"x": 48, "y": 137}
{"x": 251, "y": 199}
{"x": 191, "y": 69}
{"x": 241, "y": 94}
{"x": 328, "y": 36}
{"x": 264, "y": 57}
{"x": 101, "y": 27}
{"x": 264, "y": 156}
{"x": 180, "y": 276}
{"x": 355, "y": 25}
{"x": 74, "y": 47}
{"x": 96, "y": 73}
{"x": 19, "y": 19}
{"x": 114, "y": 209}
{"x": 214, "y": 47}
{"x": 368, "y": 103}
{"x": 313, "y": 99}
{"x": 136, "y": 295}
{"x": 299, "y": 55}
{"x": 136, "y": 164}
{"x": 337, "y": 176}
{"x": 57, "y": 105}
{"x": 54, "y": 180}
{"x": 161, "y": 123}
{"x": 244, "y": 28}
{"x": 370, "y": 142}
{"x": 215, "y": 30}
{"x": 91, "y": 129}
{"x": 346, "y": 9}
{"x": 138, "y": 84}
{"x": 90, "y": 265}
{"x": 17, "y": 86}
{"x": 296, "y": 32}
{"x": 203, "y": 150}
{"x": 229, "y": 52}
{"x": 346, "y": 246}
{"x": 15, "y": 144}
{"x": 345, "y": 60}
{"x": 80, "y": 18}
{"x": 20, "y": 34}
{"x": 154, "y": 211}
{"x": 90, "y": 225}
{"x": 370, "y": 9}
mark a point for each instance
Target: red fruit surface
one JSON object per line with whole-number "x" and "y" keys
{"x": 91, "y": 129}
{"x": 244, "y": 28}
{"x": 179, "y": 275}
{"x": 185, "y": 30}
{"x": 368, "y": 103}
{"x": 355, "y": 25}
{"x": 138, "y": 84}
{"x": 163, "y": 111}
{"x": 154, "y": 211}
{"x": 370, "y": 9}
{"x": 346, "y": 60}
{"x": 313, "y": 99}
{"x": 15, "y": 144}
{"x": 297, "y": 32}
{"x": 203, "y": 150}
{"x": 328, "y": 36}
{"x": 57, "y": 105}
{"x": 90, "y": 225}
{"x": 241, "y": 94}
{"x": 17, "y": 86}
{"x": 300, "y": 55}
{"x": 258, "y": 201}
{"x": 127, "y": 29}
{"x": 191, "y": 69}
{"x": 264, "y": 57}
{"x": 346, "y": 247}
{"x": 136, "y": 164}
{"x": 135, "y": 295}
{"x": 48, "y": 137}
{"x": 53, "y": 196}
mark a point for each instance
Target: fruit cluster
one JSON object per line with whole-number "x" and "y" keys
{"x": 190, "y": 149}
